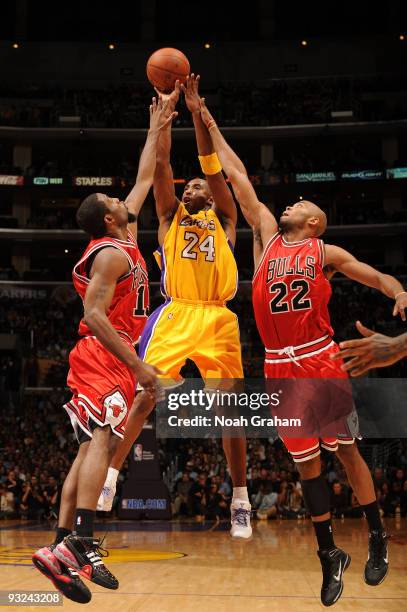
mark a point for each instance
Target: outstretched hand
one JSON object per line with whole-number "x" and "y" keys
{"x": 206, "y": 115}
{"x": 160, "y": 113}
{"x": 372, "y": 351}
{"x": 171, "y": 98}
{"x": 191, "y": 93}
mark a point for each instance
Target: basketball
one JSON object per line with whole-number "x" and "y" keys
{"x": 165, "y": 66}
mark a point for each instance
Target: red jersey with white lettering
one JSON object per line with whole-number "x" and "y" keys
{"x": 290, "y": 301}
{"x": 128, "y": 310}
{"x": 290, "y": 297}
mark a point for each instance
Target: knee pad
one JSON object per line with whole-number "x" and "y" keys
{"x": 316, "y": 495}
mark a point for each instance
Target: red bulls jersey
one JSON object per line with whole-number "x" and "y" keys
{"x": 128, "y": 310}
{"x": 290, "y": 297}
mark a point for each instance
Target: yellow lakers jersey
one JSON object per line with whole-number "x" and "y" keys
{"x": 196, "y": 258}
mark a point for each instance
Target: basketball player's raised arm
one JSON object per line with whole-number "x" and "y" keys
{"x": 109, "y": 265}
{"x": 347, "y": 264}
{"x": 257, "y": 215}
{"x": 166, "y": 202}
{"x": 160, "y": 118}
{"x": 224, "y": 203}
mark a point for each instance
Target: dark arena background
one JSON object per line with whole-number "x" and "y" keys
{"x": 313, "y": 98}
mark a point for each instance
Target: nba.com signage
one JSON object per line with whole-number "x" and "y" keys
{"x": 144, "y": 504}
{"x": 144, "y": 494}
{"x": 93, "y": 181}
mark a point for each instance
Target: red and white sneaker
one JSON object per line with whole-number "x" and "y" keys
{"x": 84, "y": 556}
{"x": 65, "y": 579}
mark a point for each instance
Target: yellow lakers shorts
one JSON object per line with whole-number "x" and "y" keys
{"x": 206, "y": 332}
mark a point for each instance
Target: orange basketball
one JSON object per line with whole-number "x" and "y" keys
{"x": 165, "y": 66}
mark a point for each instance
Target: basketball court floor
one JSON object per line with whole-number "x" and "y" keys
{"x": 191, "y": 567}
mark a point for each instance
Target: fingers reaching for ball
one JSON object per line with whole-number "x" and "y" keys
{"x": 161, "y": 114}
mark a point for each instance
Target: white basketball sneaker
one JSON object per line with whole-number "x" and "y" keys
{"x": 240, "y": 520}
{"x": 105, "y": 501}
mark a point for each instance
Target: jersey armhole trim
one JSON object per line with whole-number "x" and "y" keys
{"x": 94, "y": 251}
{"x": 266, "y": 248}
{"x": 321, "y": 249}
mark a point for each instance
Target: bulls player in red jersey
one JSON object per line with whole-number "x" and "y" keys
{"x": 111, "y": 278}
{"x": 291, "y": 292}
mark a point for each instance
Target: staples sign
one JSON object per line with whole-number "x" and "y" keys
{"x": 93, "y": 181}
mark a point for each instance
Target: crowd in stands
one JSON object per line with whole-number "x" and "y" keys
{"x": 274, "y": 102}
{"x": 36, "y": 451}
{"x": 37, "y": 447}
{"x": 203, "y": 489}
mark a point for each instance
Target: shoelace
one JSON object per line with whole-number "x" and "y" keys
{"x": 97, "y": 552}
{"x": 240, "y": 516}
{"x": 98, "y": 548}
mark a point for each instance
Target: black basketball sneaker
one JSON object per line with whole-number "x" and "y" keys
{"x": 377, "y": 564}
{"x": 65, "y": 579}
{"x": 334, "y": 563}
{"x": 85, "y": 556}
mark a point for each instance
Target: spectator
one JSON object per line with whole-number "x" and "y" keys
{"x": 14, "y": 485}
{"x": 215, "y": 503}
{"x": 183, "y": 487}
{"x": 197, "y": 497}
{"x": 290, "y": 502}
{"x": 265, "y": 502}
{"x": 388, "y": 500}
{"x": 32, "y": 502}
{"x": 7, "y": 507}
{"x": 52, "y": 497}
{"x": 340, "y": 506}
{"x": 378, "y": 477}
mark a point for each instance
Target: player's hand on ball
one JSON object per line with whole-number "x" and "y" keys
{"x": 400, "y": 305}
{"x": 172, "y": 98}
{"x": 190, "y": 89}
{"x": 160, "y": 116}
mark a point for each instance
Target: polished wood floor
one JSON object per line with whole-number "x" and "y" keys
{"x": 175, "y": 568}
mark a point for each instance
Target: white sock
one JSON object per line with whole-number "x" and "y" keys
{"x": 111, "y": 477}
{"x": 240, "y": 493}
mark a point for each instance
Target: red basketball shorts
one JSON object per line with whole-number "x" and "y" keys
{"x": 102, "y": 388}
{"x": 317, "y": 393}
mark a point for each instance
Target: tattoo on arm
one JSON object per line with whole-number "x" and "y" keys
{"x": 101, "y": 292}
